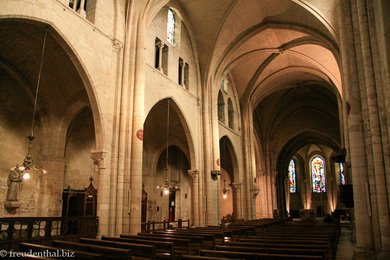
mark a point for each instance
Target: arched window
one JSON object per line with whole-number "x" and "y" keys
{"x": 292, "y": 176}
{"x": 231, "y": 113}
{"x": 221, "y": 107}
{"x": 342, "y": 176}
{"x": 318, "y": 174}
{"x": 171, "y": 26}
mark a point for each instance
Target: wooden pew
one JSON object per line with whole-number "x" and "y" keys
{"x": 304, "y": 237}
{"x": 198, "y": 257}
{"x": 286, "y": 241}
{"x": 209, "y": 239}
{"x": 107, "y": 252}
{"x": 271, "y": 250}
{"x": 220, "y": 235}
{"x": 25, "y": 247}
{"x": 139, "y": 250}
{"x": 254, "y": 256}
{"x": 276, "y": 245}
{"x": 196, "y": 241}
{"x": 164, "y": 250}
{"x": 181, "y": 246}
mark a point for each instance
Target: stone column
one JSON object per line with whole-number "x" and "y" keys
{"x": 255, "y": 190}
{"x": 160, "y": 47}
{"x": 211, "y": 154}
{"x": 330, "y": 183}
{"x": 306, "y": 199}
{"x": 128, "y": 218}
{"x": 237, "y": 209}
{"x": 378, "y": 189}
{"x": 195, "y": 196}
{"x": 347, "y": 15}
{"x": 247, "y": 208}
{"x": 181, "y": 68}
{"x": 81, "y": 10}
{"x": 103, "y": 191}
{"x": 214, "y": 198}
{"x": 287, "y": 192}
{"x": 137, "y": 138}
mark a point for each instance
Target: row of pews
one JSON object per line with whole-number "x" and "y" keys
{"x": 255, "y": 239}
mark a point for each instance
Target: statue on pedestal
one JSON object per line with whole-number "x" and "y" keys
{"x": 14, "y": 181}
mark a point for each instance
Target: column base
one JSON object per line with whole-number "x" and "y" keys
{"x": 383, "y": 255}
{"x": 361, "y": 253}
{"x": 12, "y": 205}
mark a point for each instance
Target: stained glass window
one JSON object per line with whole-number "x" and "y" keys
{"x": 171, "y": 26}
{"x": 342, "y": 177}
{"x": 230, "y": 113}
{"x": 292, "y": 176}
{"x": 221, "y": 107}
{"x": 318, "y": 174}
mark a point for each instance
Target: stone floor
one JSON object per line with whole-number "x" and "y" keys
{"x": 345, "y": 246}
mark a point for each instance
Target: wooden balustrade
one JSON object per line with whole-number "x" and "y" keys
{"x": 161, "y": 225}
{"x": 14, "y": 231}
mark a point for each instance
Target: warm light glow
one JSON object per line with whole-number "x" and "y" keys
{"x": 166, "y": 191}
{"x": 224, "y": 196}
{"x": 26, "y": 176}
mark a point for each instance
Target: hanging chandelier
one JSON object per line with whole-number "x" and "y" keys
{"x": 167, "y": 186}
{"x": 28, "y": 161}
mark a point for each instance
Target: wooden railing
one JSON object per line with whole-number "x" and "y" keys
{"x": 44, "y": 229}
{"x": 161, "y": 225}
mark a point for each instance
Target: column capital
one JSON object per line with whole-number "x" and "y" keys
{"x": 236, "y": 185}
{"x": 215, "y": 174}
{"x": 117, "y": 45}
{"x": 98, "y": 158}
{"x": 159, "y": 44}
{"x": 255, "y": 191}
{"x": 193, "y": 173}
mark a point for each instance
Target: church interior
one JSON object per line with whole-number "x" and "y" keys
{"x": 165, "y": 114}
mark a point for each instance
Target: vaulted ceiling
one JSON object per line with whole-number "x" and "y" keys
{"x": 278, "y": 54}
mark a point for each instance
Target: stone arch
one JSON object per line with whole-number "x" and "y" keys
{"x": 165, "y": 129}
{"x": 229, "y": 166}
{"x": 76, "y": 61}
{"x": 62, "y": 69}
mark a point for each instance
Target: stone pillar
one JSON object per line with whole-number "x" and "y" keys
{"x": 247, "y": 208}
{"x": 211, "y": 154}
{"x": 181, "y": 68}
{"x": 160, "y": 47}
{"x": 378, "y": 187}
{"x": 347, "y": 15}
{"x": 116, "y": 145}
{"x": 129, "y": 194}
{"x": 137, "y": 140}
{"x": 306, "y": 199}
{"x": 255, "y": 190}
{"x": 331, "y": 193}
{"x": 287, "y": 192}
{"x": 237, "y": 207}
{"x": 81, "y": 10}
{"x": 214, "y": 198}
{"x": 103, "y": 191}
{"x": 195, "y": 196}
{"x": 75, "y": 5}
